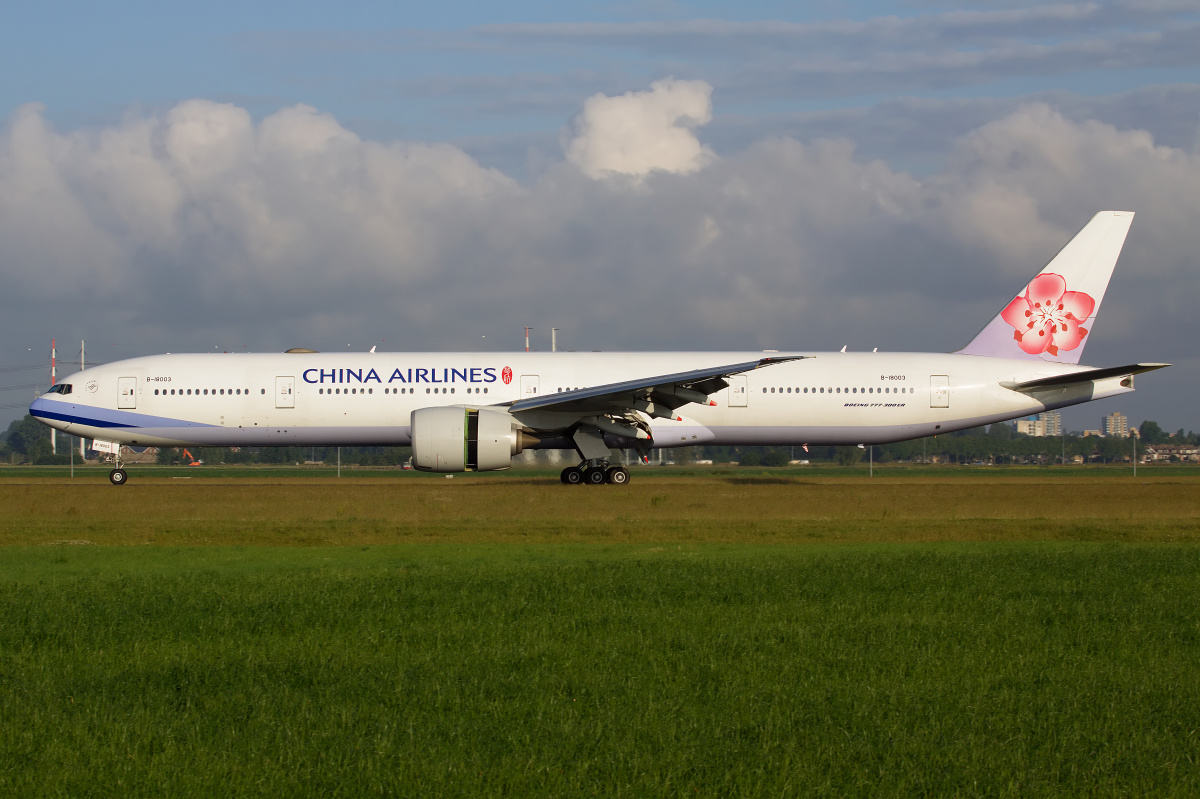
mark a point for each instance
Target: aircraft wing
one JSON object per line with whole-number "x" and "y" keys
{"x": 1057, "y": 381}
{"x": 655, "y": 395}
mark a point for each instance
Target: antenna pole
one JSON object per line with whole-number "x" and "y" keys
{"x": 527, "y": 338}
{"x": 53, "y": 377}
{"x": 554, "y": 339}
{"x": 82, "y": 366}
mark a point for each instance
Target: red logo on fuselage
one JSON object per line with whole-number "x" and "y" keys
{"x": 506, "y": 375}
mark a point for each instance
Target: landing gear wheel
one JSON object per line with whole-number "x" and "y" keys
{"x": 595, "y": 477}
{"x": 117, "y": 477}
{"x": 618, "y": 475}
{"x": 571, "y": 476}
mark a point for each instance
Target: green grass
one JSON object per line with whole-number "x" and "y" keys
{"x": 1018, "y": 669}
{"x": 736, "y": 510}
{"x": 1022, "y": 634}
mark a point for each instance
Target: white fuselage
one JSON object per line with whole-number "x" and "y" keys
{"x": 366, "y": 398}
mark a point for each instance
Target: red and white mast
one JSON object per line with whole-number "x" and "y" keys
{"x": 53, "y": 378}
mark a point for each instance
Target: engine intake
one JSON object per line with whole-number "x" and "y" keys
{"x": 461, "y": 439}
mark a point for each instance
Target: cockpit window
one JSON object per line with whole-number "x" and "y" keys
{"x": 61, "y": 388}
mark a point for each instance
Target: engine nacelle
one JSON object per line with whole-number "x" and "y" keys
{"x": 461, "y": 439}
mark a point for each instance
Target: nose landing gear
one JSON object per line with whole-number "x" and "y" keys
{"x": 117, "y": 476}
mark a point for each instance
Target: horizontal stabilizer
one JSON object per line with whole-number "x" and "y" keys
{"x": 1084, "y": 376}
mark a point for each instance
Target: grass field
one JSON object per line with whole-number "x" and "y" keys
{"x": 1016, "y": 636}
{"x": 733, "y": 510}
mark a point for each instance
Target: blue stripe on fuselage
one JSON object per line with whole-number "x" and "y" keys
{"x": 71, "y": 413}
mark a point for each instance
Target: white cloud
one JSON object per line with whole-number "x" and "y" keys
{"x": 643, "y": 132}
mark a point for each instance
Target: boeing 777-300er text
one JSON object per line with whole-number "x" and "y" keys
{"x": 475, "y": 411}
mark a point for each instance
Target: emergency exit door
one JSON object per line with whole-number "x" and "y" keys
{"x": 126, "y": 392}
{"x": 285, "y": 392}
{"x": 737, "y": 391}
{"x": 530, "y": 385}
{"x": 939, "y": 391}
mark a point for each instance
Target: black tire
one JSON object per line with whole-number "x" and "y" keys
{"x": 117, "y": 477}
{"x": 618, "y": 476}
{"x": 595, "y": 477}
{"x": 572, "y": 476}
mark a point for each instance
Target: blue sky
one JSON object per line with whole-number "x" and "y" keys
{"x": 464, "y": 71}
{"x": 777, "y": 174}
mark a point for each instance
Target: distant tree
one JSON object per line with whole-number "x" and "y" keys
{"x": 1001, "y": 430}
{"x": 1151, "y": 433}
{"x": 750, "y": 456}
{"x": 776, "y": 456}
{"x": 30, "y": 438}
{"x": 848, "y": 456}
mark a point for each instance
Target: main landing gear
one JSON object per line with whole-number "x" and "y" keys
{"x": 594, "y": 474}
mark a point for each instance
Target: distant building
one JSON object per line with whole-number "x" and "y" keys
{"x": 1096, "y": 433}
{"x": 1044, "y": 424}
{"x": 1051, "y": 423}
{"x": 1116, "y": 424}
{"x": 1167, "y": 452}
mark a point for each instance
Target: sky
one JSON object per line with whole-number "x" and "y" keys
{"x": 641, "y": 176}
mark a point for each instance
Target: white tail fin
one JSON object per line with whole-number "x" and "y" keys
{"x": 1051, "y": 318}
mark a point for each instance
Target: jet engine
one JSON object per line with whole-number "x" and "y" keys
{"x": 461, "y": 439}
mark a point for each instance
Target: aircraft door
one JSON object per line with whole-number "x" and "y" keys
{"x": 285, "y": 392}
{"x": 939, "y": 391}
{"x": 737, "y": 391}
{"x": 127, "y": 392}
{"x": 530, "y": 385}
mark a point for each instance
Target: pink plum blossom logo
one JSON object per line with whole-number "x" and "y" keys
{"x": 1048, "y": 318}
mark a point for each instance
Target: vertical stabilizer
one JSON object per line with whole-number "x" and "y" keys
{"x": 1052, "y": 317}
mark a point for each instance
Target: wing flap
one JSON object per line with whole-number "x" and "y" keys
{"x": 673, "y": 390}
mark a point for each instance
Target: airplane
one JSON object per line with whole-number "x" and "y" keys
{"x": 475, "y": 411}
